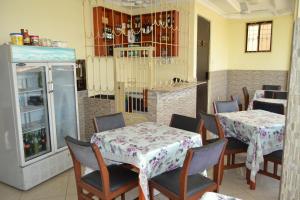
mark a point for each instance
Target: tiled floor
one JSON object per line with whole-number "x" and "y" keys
{"x": 62, "y": 187}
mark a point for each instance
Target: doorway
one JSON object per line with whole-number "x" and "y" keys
{"x": 203, "y": 42}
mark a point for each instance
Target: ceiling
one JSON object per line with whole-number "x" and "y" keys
{"x": 250, "y": 8}
{"x": 226, "y": 8}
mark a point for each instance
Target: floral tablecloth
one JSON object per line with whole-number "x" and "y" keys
{"x": 153, "y": 148}
{"x": 259, "y": 96}
{"x": 216, "y": 196}
{"x": 262, "y": 130}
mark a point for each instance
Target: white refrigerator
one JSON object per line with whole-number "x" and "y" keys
{"x": 38, "y": 108}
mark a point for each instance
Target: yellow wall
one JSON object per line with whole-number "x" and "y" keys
{"x": 55, "y": 19}
{"x": 218, "y": 38}
{"x": 277, "y": 59}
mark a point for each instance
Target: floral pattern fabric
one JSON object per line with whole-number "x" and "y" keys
{"x": 262, "y": 130}
{"x": 153, "y": 148}
{"x": 216, "y": 196}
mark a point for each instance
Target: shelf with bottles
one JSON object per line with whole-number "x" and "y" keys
{"x": 35, "y": 143}
{"x": 159, "y": 27}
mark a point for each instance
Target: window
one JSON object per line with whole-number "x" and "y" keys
{"x": 259, "y": 37}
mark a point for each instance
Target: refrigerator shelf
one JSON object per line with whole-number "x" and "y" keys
{"x": 33, "y": 126}
{"x": 30, "y": 108}
{"x": 29, "y": 90}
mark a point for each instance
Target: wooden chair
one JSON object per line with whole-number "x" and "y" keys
{"x": 187, "y": 183}
{"x": 269, "y": 94}
{"x": 276, "y": 158}
{"x": 238, "y": 100}
{"x": 226, "y": 106}
{"x": 271, "y": 107}
{"x": 108, "y": 122}
{"x": 234, "y": 146}
{"x": 246, "y": 97}
{"x": 185, "y": 123}
{"x": 105, "y": 182}
{"x": 271, "y": 87}
{"x": 280, "y": 95}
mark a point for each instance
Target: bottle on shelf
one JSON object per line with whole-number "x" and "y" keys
{"x": 27, "y": 151}
{"x": 43, "y": 139}
{"x": 36, "y": 142}
{"x": 26, "y": 37}
{"x": 169, "y": 20}
{"x": 30, "y": 141}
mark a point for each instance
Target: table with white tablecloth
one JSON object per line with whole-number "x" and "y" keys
{"x": 153, "y": 148}
{"x": 262, "y": 130}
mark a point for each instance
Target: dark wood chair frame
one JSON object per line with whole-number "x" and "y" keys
{"x": 275, "y": 162}
{"x": 106, "y": 194}
{"x": 230, "y": 154}
{"x": 217, "y": 173}
{"x": 246, "y": 97}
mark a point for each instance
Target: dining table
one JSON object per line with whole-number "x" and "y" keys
{"x": 153, "y": 148}
{"x": 263, "y": 131}
{"x": 259, "y": 96}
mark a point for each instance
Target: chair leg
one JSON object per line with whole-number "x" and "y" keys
{"x": 233, "y": 159}
{"x": 275, "y": 168}
{"x": 222, "y": 170}
{"x": 151, "y": 192}
{"x": 228, "y": 160}
{"x": 265, "y": 165}
{"x": 123, "y": 196}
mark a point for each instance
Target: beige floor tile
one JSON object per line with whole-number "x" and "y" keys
{"x": 72, "y": 197}
{"x": 9, "y": 193}
{"x": 71, "y": 188}
{"x": 54, "y": 187}
{"x": 64, "y": 187}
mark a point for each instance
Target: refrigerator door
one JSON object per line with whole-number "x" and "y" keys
{"x": 32, "y": 100}
{"x": 65, "y": 102}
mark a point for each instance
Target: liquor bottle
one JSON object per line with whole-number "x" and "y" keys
{"x": 43, "y": 139}
{"x": 26, "y": 146}
{"x": 169, "y": 20}
{"x": 30, "y": 142}
{"x": 39, "y": 138}
{"x": 35, "y": 143}
{"x": 26, "y": 38}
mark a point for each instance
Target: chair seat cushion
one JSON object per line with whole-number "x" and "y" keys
{"x": 118, "y": 175}
{"x": 233, "y": 144}
{"x": 170, "y": 181}
{"x": 275, "y": 156}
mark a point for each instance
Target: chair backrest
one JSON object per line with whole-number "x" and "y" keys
{"x": 212, "y": 124}
{"x": 206, "y": 156}
{"x": 246, "y": 97}
{"x": 271, "y": 107}
{"x": 88, "y": 155}
{"x": 280, "y": 95}
{"x": 269, "y": 94}
{"x": 108, "y": 122}
{"x": 238, "y": 100}
{"x": 82, "y": 152}
{"x": 199, "y": 159}
{"x": 226, "y": 106}
{"x": 185, "y": 123}
{"x": 271, "y": 87}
